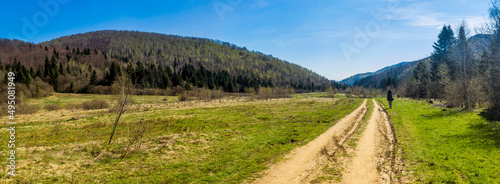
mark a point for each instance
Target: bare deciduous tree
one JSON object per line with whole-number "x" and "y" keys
{"x": 122, "y": 87}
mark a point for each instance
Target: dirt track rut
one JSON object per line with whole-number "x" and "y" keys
{"x": 305, "y": 161}
{"x": 372, "y": 162}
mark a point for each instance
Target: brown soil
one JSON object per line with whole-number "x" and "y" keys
{"x": 374, "y": 160}
{"x": 303, "y": 163}
{"x": 374, "y": 153}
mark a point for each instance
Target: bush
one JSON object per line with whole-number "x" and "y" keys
{"x": 205, "y": 94}
{"x": 27, "y": 109}
{"x": 95, "y": 104}
{"x": 183, "y": 97}
{"x": 52, "y": 107}
{"x": 268, "y": 93}
{"x": 73, "y": 106}
{"x": 175, "y": 90}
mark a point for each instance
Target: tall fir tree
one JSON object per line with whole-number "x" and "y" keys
{"x": 422, "y": 77}
{"x": 446, "y": 41}
{"x": 93, "y": 78}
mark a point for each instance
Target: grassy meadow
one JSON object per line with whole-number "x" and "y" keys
{"x": 446, "y": 145}
{"x": 229, "y": 140}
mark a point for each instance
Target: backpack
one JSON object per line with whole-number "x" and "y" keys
{"x": 389, "y": 97}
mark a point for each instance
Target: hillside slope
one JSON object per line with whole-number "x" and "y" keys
{"x": 154, "y": 61}
{"x": 171, "y": 50}
{"x": 392, "y": 74}
{"x": 375, "y": 79}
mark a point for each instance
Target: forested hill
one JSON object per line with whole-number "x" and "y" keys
{"x": 75, "y": 63}
{"x": 381, "y": 78}
{"x": 390, "y": 76}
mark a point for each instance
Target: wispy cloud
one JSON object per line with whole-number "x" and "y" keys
{"x": 419, "y": 15}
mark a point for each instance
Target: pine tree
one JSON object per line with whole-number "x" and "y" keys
{"x": 446, "y": 40}
{"x": 71, "y": 87}
{"x": 441, "y": 57}
{"x": 93, "y": 78}
{"x": 46, "y": 67}
{"x": 32, "y": 72}
{"x": 68, "y": 71}
{"x": 61, "y": 68}
{"x": 39, "y": 73}
{"x": 421, "y": 76}
{"x": 465, "y": 64}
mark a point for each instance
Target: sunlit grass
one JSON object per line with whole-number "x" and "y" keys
{"x": 229, "y": 142}
{"x": 447, "y": 145}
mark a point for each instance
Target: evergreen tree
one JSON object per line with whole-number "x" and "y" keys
{"x": 446, "y": 40}
{"x": 93, "y": 78}
{"x": 71, "y": 87}
{"x": 68, "y": 71}
{"x": 421, "y": 76}
{"x": 32, "y": 72}
{"x": 61, "y": 68}
{"x": 39, "y": 73}
{"x": 463, "y": 56}
{"x": 55, "y": 53}
{"x": 46, "y": 67}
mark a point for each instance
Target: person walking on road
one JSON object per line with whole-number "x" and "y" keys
{"x": 390, "y": 98}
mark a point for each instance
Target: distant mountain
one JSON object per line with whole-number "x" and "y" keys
{"x": 351, "y": 80}
{"x": 479, "y": 43}
{"x": 398, "y": 72}
{"x": 388, "y": 75}
{"x": 393, "y": 70}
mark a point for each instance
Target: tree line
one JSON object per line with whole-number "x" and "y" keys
{"x": 455, "y": 74}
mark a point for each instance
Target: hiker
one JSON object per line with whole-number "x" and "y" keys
{"x": 390, "y": 98}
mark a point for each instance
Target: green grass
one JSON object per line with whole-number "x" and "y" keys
{"x": 446, "y": 146}
{"x": 227, "y": 143}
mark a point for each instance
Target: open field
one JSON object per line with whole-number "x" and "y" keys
{"x": 227, "y": 140}
{"x": 446, "y": 145}
{"x": 63, "y": 99}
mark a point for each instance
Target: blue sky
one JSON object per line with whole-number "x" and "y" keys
{"x": 335, "y": 38}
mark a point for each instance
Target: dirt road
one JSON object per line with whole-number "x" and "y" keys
{"x": 305, "y": 161}
{"x": 373, "y": 155}
{"x": 370, "y": 149}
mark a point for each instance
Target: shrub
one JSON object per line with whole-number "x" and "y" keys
{"x": 52, "y": 107}
{"x": 95, "y": 104}
{"x": 183, "y": 97}
{"x": 27, "y": 109}
{"x": 73, "y": 106}
{"x": 268, "y": 93}
{"x": 205, "y": 94}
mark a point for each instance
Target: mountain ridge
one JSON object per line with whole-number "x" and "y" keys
{"x": 189, "y": 61}
{"x": 478, "y": 44}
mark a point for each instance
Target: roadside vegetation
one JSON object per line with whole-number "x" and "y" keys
{"x": 445, "y": 145}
